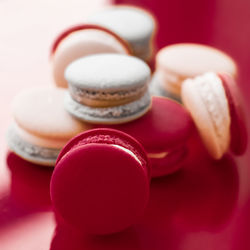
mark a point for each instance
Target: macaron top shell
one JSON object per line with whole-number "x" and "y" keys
{"x": 107, "y": 72}
{"x": 131, "y": 23}
{"x": 40, "y": 112}
{"x": 190, "y": 60}
{"x": 101, "y": 181}
{"x": 165, "y": 126}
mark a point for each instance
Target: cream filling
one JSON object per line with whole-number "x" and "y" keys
{"x": 128, "y": 151}
{"x": 158, "y": 155}
{"x": 118, "y": 112}
{"x": 80, "y": 94}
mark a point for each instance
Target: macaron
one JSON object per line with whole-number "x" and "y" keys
{"x": 100, "y": 184}
{"x": 164, "y": 132}
{"x": 41, "y": 126}
{"x": 108, "y": 88}
{"x": 178, "y": 62}
{"x": 79, "y": 41}
{"x": 135, "y": 25}
{"x": 214, "y": 106}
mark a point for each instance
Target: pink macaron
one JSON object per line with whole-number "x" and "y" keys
{"x": 83, "y": 40}
{"x": 214, "y": 103}
{"x": 164, "y": 132}
{"x": 100, "y": 184}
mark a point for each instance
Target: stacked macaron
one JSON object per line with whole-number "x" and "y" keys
{"x": 120, "y": 29}
{"x": 108, "y": 88}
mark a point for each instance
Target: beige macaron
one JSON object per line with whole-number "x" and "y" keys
{"x": 176, "y": 63}
{"x": 206, "y": 100}
{"x": 41, "y": 126}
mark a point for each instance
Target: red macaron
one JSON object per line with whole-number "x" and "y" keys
{"x": 100, "y": 184}
{"x": 163, "y": 131}
{"x": 238, "y": 131}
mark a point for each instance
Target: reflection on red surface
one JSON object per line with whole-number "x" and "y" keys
{"x": 28, "y": 192}
{"x": 200, "y": 197}
{"x": 29, "y": 186}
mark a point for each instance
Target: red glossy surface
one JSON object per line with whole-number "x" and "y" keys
{"x": 206, "y": 206}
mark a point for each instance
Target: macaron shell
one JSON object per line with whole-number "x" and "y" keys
{"x": 82, "y": 43}
{"x": 133, "y": 24}
{"x": 121, "y": 19}
{"x": 36, "y": 140}
{"x": 33, "y": 153}
{"x": 157, "y": 88}
{"x": 108, "y": 72}
{"x": 238, "y": 143}
{"x": 195, "y": 103}
{"x": 105, "y": 186}
{"x": 190, "y": 60}
{"x": 40, "y": 111}
{"x": 109, "y": 115}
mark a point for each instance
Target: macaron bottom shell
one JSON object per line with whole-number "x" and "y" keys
{"x": 166, "y": 163}
{"x": 30, "y": 152}
{"x": 108, "y": 115}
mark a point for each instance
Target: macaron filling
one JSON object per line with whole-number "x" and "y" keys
{"x": 95, "y": 98}
{"x": 30, "y": 151}
{"x": 118, "y": 113}
{"x": 167, "y": 162}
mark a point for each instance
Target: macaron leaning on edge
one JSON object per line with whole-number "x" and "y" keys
{"x": 101, "y": 181}
{"x": 135, "y": 25}
{"x": 108, "y": 88}
{"x": 177, "y": 62}
{"x": 41, "y": 126}
{"x": 210, "y": 98}
{"x": 83, "y": 40}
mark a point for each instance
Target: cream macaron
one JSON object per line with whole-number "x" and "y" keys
{"x": 83, "y": 40}
{"x": 108, "y": 88}
{"x": 41, "y": 126}
{"x": 135, "y": 25}
{"x": 178, "y": 62}
{"x": 212, "y": 102}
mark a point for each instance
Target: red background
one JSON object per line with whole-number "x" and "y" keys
{"x": 206, "y": 206}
